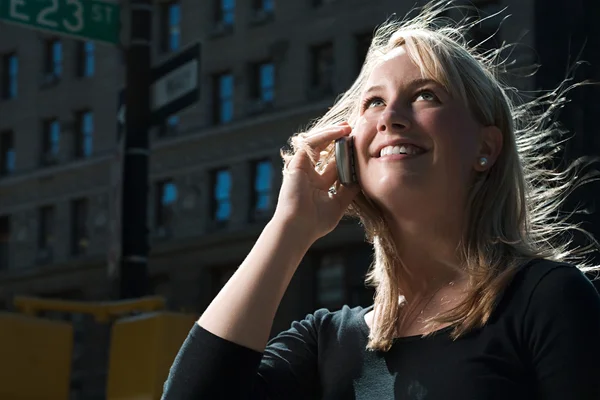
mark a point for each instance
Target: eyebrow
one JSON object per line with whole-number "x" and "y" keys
{"x": 411, "y": 84}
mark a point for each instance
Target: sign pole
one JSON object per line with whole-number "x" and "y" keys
{"x": 133, "y": 271}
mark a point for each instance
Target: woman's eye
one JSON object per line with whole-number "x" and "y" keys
{"x": 426, "y": 95}
{"x": 373, "y": 102}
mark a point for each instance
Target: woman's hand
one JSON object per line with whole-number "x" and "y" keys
{"x": 304, "y": 198}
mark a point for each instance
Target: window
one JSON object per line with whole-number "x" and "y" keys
{"x": 363, "y": 42}
{"x": 261, "y": 194}
{"x": 4, "y": 241}
{"x": 54, "y": 58}
{"x": 322, "y": 69}
{"x": 79, "y": 231}
{"x": 50, "y": 141}
{"x": 166, "y": 198}
{"x": 221, "y": 199}
{"x": 263, "y": 6}
{"x": 84, "y": 135}
{"x": 263, "y": 82}
{"x": 170, "y": 26}
{"x": 225, "y": 12}
{"x": 10, "y": 76}
{"x": 46, "y": 228}
{"x": 331, "y": 287}
{"x": 169, "y": 127}
{"x": 86, "y": 59}
{"x": 223, "y": 98}
{"x": 7, "y": 153}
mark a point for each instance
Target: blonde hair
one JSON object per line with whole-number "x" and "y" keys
{"x": 514, "y": 208}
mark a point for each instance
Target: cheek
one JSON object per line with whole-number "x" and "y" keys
{"x": 363, "y": 133}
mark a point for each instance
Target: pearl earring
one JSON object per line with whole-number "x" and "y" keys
{"x": 483, "y": 161}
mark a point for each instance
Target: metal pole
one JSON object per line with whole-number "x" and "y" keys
{"x": 133, "y": 274}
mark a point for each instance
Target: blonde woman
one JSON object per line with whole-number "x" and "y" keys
{"x": 474, "y": 299}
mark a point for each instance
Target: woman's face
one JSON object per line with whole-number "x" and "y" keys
{"x": 416, "y": 146}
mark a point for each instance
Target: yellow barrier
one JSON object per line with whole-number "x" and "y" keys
{"x": 35, "y": 356}
{"x": 141, "y": 353}
{"x": 102, "y": 311}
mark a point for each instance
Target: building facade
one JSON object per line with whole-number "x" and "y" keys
{"x": 268, "y": 68}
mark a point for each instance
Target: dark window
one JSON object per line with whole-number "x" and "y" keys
{"x": 169, "y": 127}
{"x": 86, "y": 59}
{"x": 166, "y": 198}
{"x": 46, "y": 228}
{"x": 262, "y": 190}
{"x": 79, "y": 231}
{"x": 4, "y": 241}
{"x": 54, "y": 58}
{"x": 266, "y": 6}
{"x": 322, "y": 68}
{"x": 263, "y": 82}
{"x": 221, "y": 198}
{"x": 50, "y": 141}
{"x": 223, "y": 98}
{"x": 7, "y": 153}
{"x": 170, "y": 26}
{"x": 84, "y": 135}
{"x": 363, "y": 41}
{"x": 331, "y": 281}
{"x": 10, "y": 76}
{"x": 225, "y": 12}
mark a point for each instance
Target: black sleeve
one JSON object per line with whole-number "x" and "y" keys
{"x": 209, "y": 367}
{"x": 561, "y": 327}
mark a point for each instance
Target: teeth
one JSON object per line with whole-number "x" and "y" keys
{"x": 404, "y": 149}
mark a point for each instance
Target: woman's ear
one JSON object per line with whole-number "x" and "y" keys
{"x": 489, "y": 147}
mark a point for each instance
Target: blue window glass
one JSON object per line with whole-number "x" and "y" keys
{"x": 88, "y": 134}
{"x": 174, "y": 26}
{"x": 11, "y": 160}
{"x": 173, "y": 121}
{"x": 222, "y": 195}
{"x": 57, "y": 58}
{"x": 267, "y": 82}
{"x": 268, "y": 5}
{"x": 7, "y": 153}
{"x": 228, "y": 11}
{"x": 54, "y": 137}
{"x": 262, "y": 185}
{"x": 13, "y": 75}
{"x": 89, "y": 59}
{"x": 169, "y": 194}
{"x": 225, "y": 98}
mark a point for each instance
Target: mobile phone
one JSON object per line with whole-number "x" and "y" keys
{"x": 344, "y": 159}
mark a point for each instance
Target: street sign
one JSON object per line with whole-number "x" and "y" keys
{"x": 86, "y": 19}
{"x": 175, "y": 84}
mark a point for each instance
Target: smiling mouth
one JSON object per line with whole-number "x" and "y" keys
{"x": 401, "y": 150}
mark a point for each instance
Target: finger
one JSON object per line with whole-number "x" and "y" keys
{"x": 329, "y": 174}
{"x": 320, "y": 140}
{"x": 345, "y": 194}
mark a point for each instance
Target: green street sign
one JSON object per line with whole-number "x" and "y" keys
{"x": 86, "y": 19}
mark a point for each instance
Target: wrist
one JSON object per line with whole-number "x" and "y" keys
{"x": 302, "y": 234}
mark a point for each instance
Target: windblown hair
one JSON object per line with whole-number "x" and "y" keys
{"x": 515, "y": 207}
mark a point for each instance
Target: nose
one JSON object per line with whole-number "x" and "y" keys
{"x": 391, "y": 121}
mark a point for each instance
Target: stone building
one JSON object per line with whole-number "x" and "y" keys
{"x": 268, "y": 68}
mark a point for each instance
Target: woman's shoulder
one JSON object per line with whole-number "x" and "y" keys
{"x": 543, "y": 274}
{"x": 347, "y": 319}
{"x": 547, "y": 283}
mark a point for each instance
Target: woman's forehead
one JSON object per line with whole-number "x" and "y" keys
{"x": 398, "y": 69}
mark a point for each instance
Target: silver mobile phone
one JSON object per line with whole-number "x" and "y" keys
{"x": 344, "y": 158}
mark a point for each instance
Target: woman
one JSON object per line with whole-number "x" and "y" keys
{"x": 473, "y": 298}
